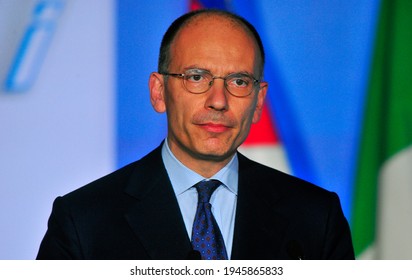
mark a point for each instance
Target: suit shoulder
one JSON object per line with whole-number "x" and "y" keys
{"x": 105, "y": 186}
{"x": 273, "y": 180}
{"x": 116, "y": 181}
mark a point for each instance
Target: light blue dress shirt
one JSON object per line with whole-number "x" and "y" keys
{"x": 223, "y": 199}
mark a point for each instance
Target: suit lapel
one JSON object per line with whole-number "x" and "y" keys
{"x": 259, "y": 228}
{"x": 153, "y": 213}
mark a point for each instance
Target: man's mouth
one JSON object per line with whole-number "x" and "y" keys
{"x": 214, "y": 127}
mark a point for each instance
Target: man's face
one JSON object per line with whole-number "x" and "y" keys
{"x": 210, "y": 126}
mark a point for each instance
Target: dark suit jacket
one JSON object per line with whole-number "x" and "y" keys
{"x": 133, "y": 214}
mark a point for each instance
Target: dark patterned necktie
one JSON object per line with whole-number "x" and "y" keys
{"x": 206, "y": 236}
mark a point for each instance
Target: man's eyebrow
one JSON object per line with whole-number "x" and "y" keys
{"x": 194, "y": 67}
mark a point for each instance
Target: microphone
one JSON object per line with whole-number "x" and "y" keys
{"x": 295, "y": 250}
{"x": 194, "y": 255}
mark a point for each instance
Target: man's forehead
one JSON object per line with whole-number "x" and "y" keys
{"x": 213, "y": 31}
{"x": 202, "y": 20}
{"x": 210, "y": 27}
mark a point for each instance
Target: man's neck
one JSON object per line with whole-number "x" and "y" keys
{"x": 206, "y": 166}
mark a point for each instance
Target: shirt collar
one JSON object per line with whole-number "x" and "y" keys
{"x": 183, "y": 178}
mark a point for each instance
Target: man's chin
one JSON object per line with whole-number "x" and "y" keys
{"x": 217, "y": 155}
{"x": 216, "y": 149}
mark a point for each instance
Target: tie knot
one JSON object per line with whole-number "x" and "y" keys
{"x": 205, "y": 189}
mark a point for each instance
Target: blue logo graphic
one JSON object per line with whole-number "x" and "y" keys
{"x": 34, "y": 45}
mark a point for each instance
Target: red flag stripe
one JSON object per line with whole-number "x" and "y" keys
{"x": 263, "y": 132}
{"x": 195, "y": 5}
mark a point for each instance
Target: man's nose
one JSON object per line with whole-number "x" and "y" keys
{"x": 217, "y": 95}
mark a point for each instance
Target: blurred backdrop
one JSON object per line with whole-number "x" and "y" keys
{"x": 74, "y": 101}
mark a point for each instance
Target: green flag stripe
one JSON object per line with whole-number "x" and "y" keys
{"x": 388, "y": 116}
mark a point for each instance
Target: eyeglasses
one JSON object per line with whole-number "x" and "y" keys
{"x": 198, "y": 81}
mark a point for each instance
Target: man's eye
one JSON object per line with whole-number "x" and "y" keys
{"x": 194, "y": 78}
{"x": 239, "y": 82}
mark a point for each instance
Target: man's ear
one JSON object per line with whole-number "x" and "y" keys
{"x": 260, "y": 101}
{"x": 157, "y": 92}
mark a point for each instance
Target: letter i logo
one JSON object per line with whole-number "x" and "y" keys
{"x": 34, "y": 44}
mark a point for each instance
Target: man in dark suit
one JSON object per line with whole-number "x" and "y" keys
{"x": 209, "y": 83}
